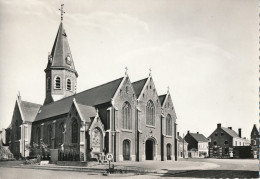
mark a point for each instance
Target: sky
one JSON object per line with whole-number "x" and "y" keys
{"x": 205, "y": 51}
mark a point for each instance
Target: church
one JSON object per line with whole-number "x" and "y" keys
{"x": 128, "y": 119}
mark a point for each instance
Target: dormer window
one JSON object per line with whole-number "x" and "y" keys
{"x": 57, "y": 83}
{"x": 68, "y": 60}
{"x": 68, "y": 84}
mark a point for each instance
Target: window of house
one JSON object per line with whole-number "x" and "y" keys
{"x": 57, "y": 82}
{"x": 226, "y": 142}
{"x": 216, "y": 134}
{"x": 74, "y": 131}
{"x": 127, "y": 121}
{"x": 168, "y": 125}
{"x": 143, "y": 95}
{"x": 48, "y": 83}
{"x": 49, "y": 134}
{"x": 222, "y": 133}
{"x": 215, "y": 143}
{"x": 150, "y": 112}
{"x": 68, "y": 84}
{"x": 126, "y": 90}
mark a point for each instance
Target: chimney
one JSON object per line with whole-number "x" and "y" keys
{"x": 188, "y": 132}
{"x": 197, "y": 132}
{"x": 219, "y": 125}
{"x": 239, "y": 132}
{"x": 178, "y": 134}
{"x": 230, "y": 128}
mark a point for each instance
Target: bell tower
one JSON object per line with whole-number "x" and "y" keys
{"x": 61, "y": 75}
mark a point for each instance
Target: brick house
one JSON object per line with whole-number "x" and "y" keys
{"x": 224, "y": 139}
{"x": 197, "y": 144}
{"x": 128, "y": 119}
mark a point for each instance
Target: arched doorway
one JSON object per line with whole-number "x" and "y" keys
{"x": 169, "y": 147}
{"x": 126, "y": 150}
{"x": 149, "y": 149}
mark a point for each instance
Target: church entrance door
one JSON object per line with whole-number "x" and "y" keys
{"x": 168, "y": 151}
{"x": 126, "y": 150}
{"x": 149, "y": 149}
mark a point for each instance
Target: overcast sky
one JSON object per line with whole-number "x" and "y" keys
{"x": 206, "y": 51}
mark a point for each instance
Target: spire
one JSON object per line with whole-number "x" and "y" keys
{"x": 61, "y": 56}
{"x": 150, "y": 71}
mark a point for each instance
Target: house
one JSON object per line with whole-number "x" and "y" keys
{"x": 128, "y": 119}
{"x": 197, "y": 144}
{"x": 182, "y": 147}
{"x": 223, "y": 140}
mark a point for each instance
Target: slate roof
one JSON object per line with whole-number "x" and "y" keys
{"x": 87, "y": 112}
{"x": 29, "y": 110}
{"x": 230, "y": 132}
{"x": 138, "y": 86}
{"x": 199, "y": 137}
{"x": 61, "y": 50}
{"x": 91, "y": 97}
{"x": 162, "y": 98}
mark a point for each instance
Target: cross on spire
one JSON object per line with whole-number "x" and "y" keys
{"x": 150, "y": 71}
{"x": 168, "y": 89}
{"x": 61, "y": 11}
{"x": 126, "y": 70}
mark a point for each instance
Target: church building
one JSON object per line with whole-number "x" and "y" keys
{"x": 128, "y": 119}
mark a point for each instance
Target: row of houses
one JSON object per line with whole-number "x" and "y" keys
{"x": 221, "y": 143}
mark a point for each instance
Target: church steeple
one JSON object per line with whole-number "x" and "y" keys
{"x": 61, "y": 56}
{"x": 61, "y": 75}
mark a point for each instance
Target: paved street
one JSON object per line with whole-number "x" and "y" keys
{"x": 191, "y": 168}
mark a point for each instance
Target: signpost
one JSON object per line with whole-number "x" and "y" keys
{"x": 109, "y": 157}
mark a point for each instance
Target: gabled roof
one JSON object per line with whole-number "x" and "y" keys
{"x": 138, "y": 86}
{"x": 29, "y": 110}
{"x": 162, "y": 98}
{"x": 87, "y": 112}
{"x": 199, "y": 137}
{"x": 60, "y": 51}
{"x": 230, "y": 132}
{"x": 91, "y": 97}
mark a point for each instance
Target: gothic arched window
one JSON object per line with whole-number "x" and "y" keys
{"x": 68, "y": 84}
{"x": 74, "y": 131}
{"x": 127, "y": 121}
{"x": 38, "y": 135}
{"x": 49, "y": 134}
{"x": 48, "y": 83}
{"x": 150, "y": 113}
{"x": 57, "y": 82}
{"x": 61, "y": 135}
{"x": 168, "y": 125}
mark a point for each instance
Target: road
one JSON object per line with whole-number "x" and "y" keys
{"x": 227, "y": 168}
{"x": 219, "y": 168}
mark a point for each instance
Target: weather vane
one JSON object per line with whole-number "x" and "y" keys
{"x": 61, "y": 11}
